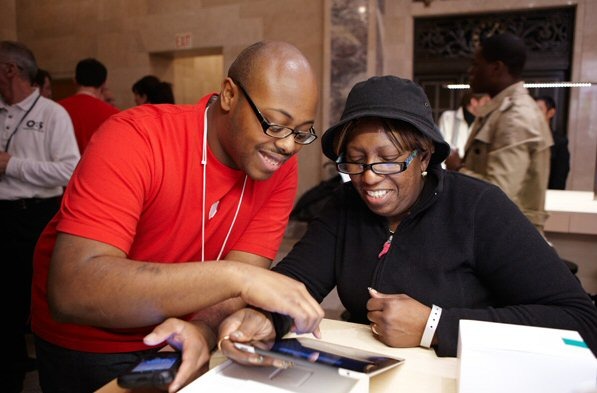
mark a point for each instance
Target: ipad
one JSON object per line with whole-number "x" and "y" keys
{"x": 348, "y": 361}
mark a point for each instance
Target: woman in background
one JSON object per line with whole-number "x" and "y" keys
{"x": 151, "y": 90}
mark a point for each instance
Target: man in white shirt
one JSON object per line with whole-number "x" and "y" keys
{"x": 38, "y": 153}
{"x": 455, "y": 125}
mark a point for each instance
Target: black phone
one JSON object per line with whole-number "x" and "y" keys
{"x": 156, "y": 370}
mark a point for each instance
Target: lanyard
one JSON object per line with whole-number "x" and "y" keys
{"x": 240, "y": 200}
{"x": 19, "y": 123}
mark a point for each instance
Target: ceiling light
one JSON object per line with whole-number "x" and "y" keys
{"x": 538, "y": 85}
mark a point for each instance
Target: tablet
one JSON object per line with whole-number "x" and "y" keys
{"x": 349, "y": 361}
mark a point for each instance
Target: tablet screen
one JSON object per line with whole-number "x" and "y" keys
{"x": 316, "y": 351}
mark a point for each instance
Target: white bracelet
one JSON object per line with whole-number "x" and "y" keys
{"x": 432, "y": 322}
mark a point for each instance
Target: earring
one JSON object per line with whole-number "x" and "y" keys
{"x": 424, "y": 173}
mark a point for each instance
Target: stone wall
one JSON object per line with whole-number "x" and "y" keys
{"x": 127, "y": 35}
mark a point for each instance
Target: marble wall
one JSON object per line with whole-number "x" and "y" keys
{"x": 130, "y": 36}
{"x": 582, "y": 123}
{"x": 343, "y": 44}
{"x": 349, "y": 49}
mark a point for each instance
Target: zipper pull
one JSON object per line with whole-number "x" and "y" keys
{"x": 386, "y": 247}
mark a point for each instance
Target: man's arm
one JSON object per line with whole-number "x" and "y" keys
{"x": 128, "y": 293}
{"x": 213, "y": 315}
{"x": 505, "y": 167}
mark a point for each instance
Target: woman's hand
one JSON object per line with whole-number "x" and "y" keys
{"x": 252, "y": 327}
{"x": 397, "y": 320}
{"x": 194, "y": 339}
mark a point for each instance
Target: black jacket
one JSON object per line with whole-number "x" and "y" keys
{"x": 464, "y": 247}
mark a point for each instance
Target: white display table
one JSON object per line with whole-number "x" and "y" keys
{"x": 571, "y": 212}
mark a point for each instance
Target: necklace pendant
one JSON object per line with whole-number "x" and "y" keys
{"x": 213, "y": 210}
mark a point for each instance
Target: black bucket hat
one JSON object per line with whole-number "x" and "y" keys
{"x": 389, "y": 97}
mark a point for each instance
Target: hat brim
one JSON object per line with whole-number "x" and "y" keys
{"x": 442, "y": 149}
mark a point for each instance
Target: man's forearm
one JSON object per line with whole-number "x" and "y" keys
{"x": 213, "y": 315}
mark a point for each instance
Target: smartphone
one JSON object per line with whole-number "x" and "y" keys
{"x": 346, "y": 360}
{"x": 153, "y": 371}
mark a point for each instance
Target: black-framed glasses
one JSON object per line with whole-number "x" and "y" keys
{"x": 276, "y": 130}
{"x": 380, "y": 168}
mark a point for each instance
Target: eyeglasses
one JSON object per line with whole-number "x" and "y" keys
{"x": 276, "y": 130}
{"x": 380, "y": 168}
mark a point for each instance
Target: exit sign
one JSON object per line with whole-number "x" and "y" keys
{"x": 183, "y": 40}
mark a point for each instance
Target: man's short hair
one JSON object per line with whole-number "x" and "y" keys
{"x": 243, "y": 65}
{"x": 550, "y": 103}
{"x": 507, "y": 48}
{"x": 18, "y": 54}
{"x": 90, "y": 72}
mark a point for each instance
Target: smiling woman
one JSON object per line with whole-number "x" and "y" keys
{"x": 398, "y": 157}
{"x": 413, "y": 248}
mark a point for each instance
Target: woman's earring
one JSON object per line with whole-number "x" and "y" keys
{"x": 424, "y": 173}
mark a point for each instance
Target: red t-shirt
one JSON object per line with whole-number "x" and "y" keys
{"x": 87, "y": 114}
{"x": 139, "y": 188}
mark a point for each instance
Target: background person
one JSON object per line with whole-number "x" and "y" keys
{"x": 87, "y": 107}
{"x": 455, "y": 125}
{"x": 560, "y": 155}
{"x": 510, "y": 139}
{"x": 38, "y": 154}
{"x": 151, "y": 90}
{"x": 406, "y": 242}
{"x": 43, "y": 81}
{"x": 109, "y": 97}
{"x": 163, "y": 193}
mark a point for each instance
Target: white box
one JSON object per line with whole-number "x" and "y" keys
{"x": 498, "y": 357}
{"x": 230, "y": 377}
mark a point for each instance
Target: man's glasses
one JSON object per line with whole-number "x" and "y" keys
{"x": 276, "y": 130}
{"x": 380, "y": 168}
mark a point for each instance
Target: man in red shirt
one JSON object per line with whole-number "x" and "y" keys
{"x": 170, "y": 220}
{"x": 87, "y": 108}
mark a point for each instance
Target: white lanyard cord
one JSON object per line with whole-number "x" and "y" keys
{"x": 204, "y": 163}
{"x": 240, "y": 200}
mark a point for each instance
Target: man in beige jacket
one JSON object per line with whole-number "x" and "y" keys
{"x": 510, "y": 140}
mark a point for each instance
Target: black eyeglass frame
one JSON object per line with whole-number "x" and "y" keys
{"x": 309, "y": 136}
{"x": 403, "y": 166}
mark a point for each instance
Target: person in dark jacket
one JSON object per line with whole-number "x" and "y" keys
{"x": 560, "y": 155}
{"x": 408, "y": 243}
